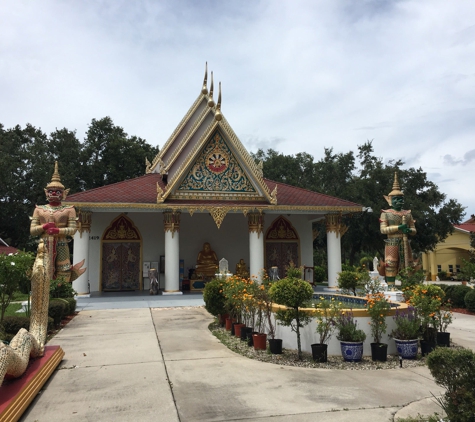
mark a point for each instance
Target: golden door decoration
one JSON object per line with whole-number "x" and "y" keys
{"x": 121, "y": 256}
{"x": 282, "y": 245}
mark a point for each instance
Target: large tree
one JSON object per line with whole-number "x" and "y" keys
{"x": 366, "y": 183}
{"x": 27, "y": 157}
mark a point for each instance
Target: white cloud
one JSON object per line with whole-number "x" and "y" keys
{"x": 296, "y": 75}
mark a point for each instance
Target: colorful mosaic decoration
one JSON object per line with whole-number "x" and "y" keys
{"x": 217, "y": 170}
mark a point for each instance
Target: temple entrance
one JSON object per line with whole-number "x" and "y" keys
{"x": 282, "y": 245}
{"x": 121, "y": 256}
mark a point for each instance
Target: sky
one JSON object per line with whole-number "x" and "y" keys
{"x": 297, "y": 76}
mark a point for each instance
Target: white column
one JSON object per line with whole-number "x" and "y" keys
{"x": 256, "y": 243}
{"x": 256, "y": 252}
{"x": 433, "y": 265}
{"x": 172, "y": 253}
{"x": 81, "y": 251}
{"x": 334, "y": 230}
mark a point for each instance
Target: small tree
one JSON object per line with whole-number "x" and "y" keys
{"x": 14, "y": 269}
{"x": 213, "y": 297}
{"x": 294, "y": 293}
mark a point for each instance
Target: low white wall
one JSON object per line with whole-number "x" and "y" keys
{"x": 308, "y": 336}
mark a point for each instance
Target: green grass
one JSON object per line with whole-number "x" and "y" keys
{"x": 19, "y": 297}
{"x": 12, "y": 308}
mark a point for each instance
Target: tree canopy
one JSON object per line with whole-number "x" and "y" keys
{"x": 27, "y": 157}
{"x": 365, "y": 178}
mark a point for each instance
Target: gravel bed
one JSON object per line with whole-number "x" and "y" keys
{"x": 290, "y": 357}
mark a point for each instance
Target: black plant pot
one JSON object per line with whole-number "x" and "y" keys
{"x": 244, "y": 331}
{"x": 443, "y": 339}
{"x": 319, "y": 352}
{"x": 250, "y": 340}
{"x": 275, "y": 346}
{"x": 379, "y": 352}
{"x": 427, "y": 347}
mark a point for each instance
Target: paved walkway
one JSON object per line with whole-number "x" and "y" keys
{"x": 125, "y": 364}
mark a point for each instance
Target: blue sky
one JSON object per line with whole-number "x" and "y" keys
{"x": 296, "y": 75}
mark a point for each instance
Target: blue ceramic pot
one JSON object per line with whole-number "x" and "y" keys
{"x": 351, "y": 351}
{"x": 407, "y": 349}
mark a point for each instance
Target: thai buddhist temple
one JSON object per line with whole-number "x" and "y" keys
{"x": 201, "y": 199}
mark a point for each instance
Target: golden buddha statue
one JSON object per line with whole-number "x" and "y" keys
{"x": 241, "y": 269}
{"x": 397, "y": 224}
{"x": 207, "y": 262}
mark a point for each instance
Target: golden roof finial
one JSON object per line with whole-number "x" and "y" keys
{"x": 396, "y": 189}
{"x": 204, "y": 90}
{"x": 56, "y": 179}
{"x": 218, "y": 116}
{"x": 211, "y": 101}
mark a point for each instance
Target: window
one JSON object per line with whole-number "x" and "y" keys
{"x": 439, "y": 268}
{"x": 457, "y": 268}
{"x": 451, "y": 268}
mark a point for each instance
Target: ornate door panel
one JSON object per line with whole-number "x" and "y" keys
{"x": 282, "y": 246}
{"x": 121, "y": 256}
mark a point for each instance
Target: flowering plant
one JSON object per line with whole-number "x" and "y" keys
{"x": 327, "y": 312}
{"x": 378, "y": 308}
{"x": 442, "y": 319}
{"x": 428, "y": 301}
{"x": 347, "y": 328}
{"x": 408, "y": 324}
{"x": 264, "y": 303}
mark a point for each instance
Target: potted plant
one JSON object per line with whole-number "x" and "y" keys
{"x": 378, "y": 308}
{"x": 265, "y": 304}
{"x": 351, "y": 337}
{"x": 406, "y": 333}
{"x": 442, "y": 319}
{"x": 295, "y": 294}
{"x": 326, "y": 313}
{"x": 427, "y": 299}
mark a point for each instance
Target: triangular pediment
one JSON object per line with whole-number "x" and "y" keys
{"x": 217, "y": 173}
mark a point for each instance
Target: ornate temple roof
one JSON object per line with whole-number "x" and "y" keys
{"x": 204, "y": 163}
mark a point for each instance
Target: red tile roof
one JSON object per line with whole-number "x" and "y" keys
{"x": 470, "y": 227}
{"x": 143, "y": 190}
{"x": 7, "y": 250}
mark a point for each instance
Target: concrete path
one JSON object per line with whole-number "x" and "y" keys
{"x": 164, "y": 364}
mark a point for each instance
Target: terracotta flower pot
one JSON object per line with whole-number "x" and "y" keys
{"x": 237, "y": 329}
{"x": 260, "y": 341}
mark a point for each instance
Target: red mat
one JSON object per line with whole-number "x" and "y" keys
{"x": 16, "y": 394}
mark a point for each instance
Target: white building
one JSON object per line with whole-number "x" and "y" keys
{"x": 203, "y": 186}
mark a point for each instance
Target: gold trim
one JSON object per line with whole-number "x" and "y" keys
{"x": 84, "y": 221}
{"x": 21, "y": 402}
{"x": 273, "y": 196}
{"x": 282, "y": 208}
{"x": 181, "y": 146}
{"x": 218, "y": 214}
{"x": 171, "y": 221}
{"x": 255, "y": 221}
{"x": 179, "y": 128}
{"x": 160, "y": 198}
{"x": 334, "y": 225}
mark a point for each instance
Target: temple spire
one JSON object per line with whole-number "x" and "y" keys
{"x": 204, "y": 90}
{"x": 218, "y": 116}
{"x": 211, "y": 88}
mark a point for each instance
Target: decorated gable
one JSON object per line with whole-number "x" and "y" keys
{"x": 216, "y": 173}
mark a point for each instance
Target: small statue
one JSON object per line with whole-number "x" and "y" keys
{"x": 397, "y": 224}
{"x": 241, "y": 269}
{"x": 152, "y": 275}
{"x": 207, "y": 262}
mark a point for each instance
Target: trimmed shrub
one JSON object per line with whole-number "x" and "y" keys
{"x": 454, "y": 369}
{"x": 61, "y": 288}
{"x": 72, "y": 304}
{"x": 50, "y": 324}
{"x": 66, "y": 306}
{"x": 319, "y": 274}
{"x": 351, "y": 281}
{"x": 12, "y": 324}
{"x": 56, "y": 310}
{"x": 456, "y": 295}
{"x": 213, "y": 297}
{"x": 470, "y": 300}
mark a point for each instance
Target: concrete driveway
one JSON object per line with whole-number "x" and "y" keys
{"x": 164, "y": 364}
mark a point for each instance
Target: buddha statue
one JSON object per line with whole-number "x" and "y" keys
{"x": 241, "y": 269}
{"x": 207, "y": 262}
